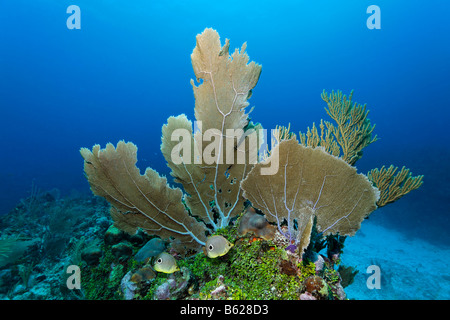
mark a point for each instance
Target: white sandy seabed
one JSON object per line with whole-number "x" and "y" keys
{"x": 409, "y": 268}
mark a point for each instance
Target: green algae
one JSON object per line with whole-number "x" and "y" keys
{"x": 99, "y": 282}
{"x": 250, "y": 270}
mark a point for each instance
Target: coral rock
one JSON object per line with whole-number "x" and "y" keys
{"x": 218, "y": 292}
{"x": 122, "y": 251}
{"x": 142, "y": 275}
{"x": 128, "y": 287}
{"x": 91, "y": 255}
{"x": 175, "y": 287}
{"x": 288, "y": 268}
{"x": 256, "y": 223}
{"x": 319, "y": 263}
{"x": 307, "y": 296}
{"x": 114, "y": 235}
{"x": 339, "y": 292}
{"x": 316, "y": 286}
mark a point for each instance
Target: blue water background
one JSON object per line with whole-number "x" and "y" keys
{"x": 128, "y": 69}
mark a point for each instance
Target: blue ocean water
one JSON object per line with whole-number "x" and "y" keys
{"x": 128, "y": 69}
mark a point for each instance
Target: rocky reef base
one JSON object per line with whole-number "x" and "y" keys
{"x": 77, "y": 231}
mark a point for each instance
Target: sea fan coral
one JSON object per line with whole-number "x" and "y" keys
{"x": 12, "y": 248}
{"x": 216, "y": 162}
{"x": 210, "y": 173}
{"x": 311, "y": 183}
{"x": 212, "y": 185}
{"x": 140, "y": 201}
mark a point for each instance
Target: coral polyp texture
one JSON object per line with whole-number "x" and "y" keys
{"x": 227, "y": 80}
{"x": 273, "y": 220}
{"x": 140, "y": 201}
{"x": 311, "y": 183}
{"x": 212, "y": 191}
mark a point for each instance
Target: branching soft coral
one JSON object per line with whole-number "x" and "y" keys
{"x": 12, "y": 248}
{"x": 325, "y": 139}
{"x": 352, "y": 132}
{"x": 304, "y": 195}
{"x": 5, "y": 247}
{"x": 392, "y": 184}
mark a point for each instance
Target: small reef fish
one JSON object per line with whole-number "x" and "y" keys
{"x": 217, "y": 246}
{"x": 165, "y": 263}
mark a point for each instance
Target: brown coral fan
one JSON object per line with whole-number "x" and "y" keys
{"x": 210, "y": 174}
{"x": 220, "y": 102}
{"x": 311, "y": 183}
{"x": 139, "y": 201}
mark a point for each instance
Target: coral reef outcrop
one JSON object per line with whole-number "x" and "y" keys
{"x": 274, "y": 219}
{"x": 210, "y": 173}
